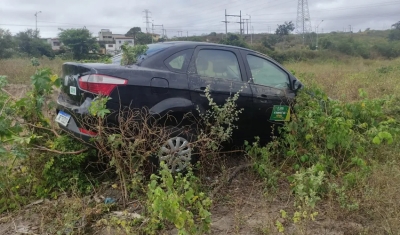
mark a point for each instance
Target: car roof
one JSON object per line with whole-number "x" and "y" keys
{"x": 194, "y": 44}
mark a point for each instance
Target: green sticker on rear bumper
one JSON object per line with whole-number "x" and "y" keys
{"x": 280, "y": 113}
{"x": 72, "y": 90}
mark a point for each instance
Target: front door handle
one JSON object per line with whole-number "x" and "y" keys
{"x": 263, "y": 96}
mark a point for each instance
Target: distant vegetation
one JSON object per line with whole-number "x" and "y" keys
{"x": 282, "y": 45}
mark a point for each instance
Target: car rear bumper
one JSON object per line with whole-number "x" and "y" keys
{"x": 76, "y": 112}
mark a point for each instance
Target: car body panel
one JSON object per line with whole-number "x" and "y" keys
{"x": 162, "y": 86}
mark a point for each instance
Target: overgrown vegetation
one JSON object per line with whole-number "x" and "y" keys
{"x": 338, "y": 157}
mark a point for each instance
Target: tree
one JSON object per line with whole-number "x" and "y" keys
{"x": 7, "y": 44}
{"x": 234, "y": 40}
{"x": 133, "y": 32}
{"x": 396, "y": 25}
{"x": 394, "y": 34}
{"x": 270, "y": 41}
{"x": 143, "y": 38}
{"x": 79, "y": 41}
{"x": 285, "y": 29}
{"x": 29, "y": 42}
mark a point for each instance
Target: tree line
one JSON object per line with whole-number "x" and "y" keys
{"x": 79, "y": 43}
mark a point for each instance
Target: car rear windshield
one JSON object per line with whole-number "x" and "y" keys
{"x": 152, "y": 49}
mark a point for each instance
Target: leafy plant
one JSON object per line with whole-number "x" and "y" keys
{"x": 263, "y": 163}
{"x": 130, "y": 54}
{"x": 178, "y": 200}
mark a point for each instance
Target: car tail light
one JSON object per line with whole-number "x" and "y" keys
{"x": 87, "y": 132}
{"x": 100, "y": 84}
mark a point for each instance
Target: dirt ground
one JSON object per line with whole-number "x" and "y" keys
{"x": 241, "y": 208}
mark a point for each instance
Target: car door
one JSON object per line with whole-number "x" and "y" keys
{"x": 272, "y": 92}
{"x": 222, "y": 70}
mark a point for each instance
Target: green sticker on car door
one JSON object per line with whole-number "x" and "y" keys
{"x": 280, "y": 113}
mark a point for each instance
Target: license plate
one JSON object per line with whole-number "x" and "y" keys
{"x": 63, "y": 118}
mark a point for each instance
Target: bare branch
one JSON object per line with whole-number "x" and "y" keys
{"x": 59, "y": 152}
{"x": 44, "y": 128}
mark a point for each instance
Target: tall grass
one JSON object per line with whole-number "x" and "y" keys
{"x": 19, "y": 70}
{"x": 342, "y": 79}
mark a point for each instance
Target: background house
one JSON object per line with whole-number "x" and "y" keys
{"x": 105, "y": 35}
{"x": 110, "y": 49}
{"x": 54, "y": 43}
{"x": 119, "y": 41}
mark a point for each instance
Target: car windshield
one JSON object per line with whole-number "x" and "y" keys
{"x": 153, "y": 49}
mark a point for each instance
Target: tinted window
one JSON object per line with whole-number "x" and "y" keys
{"x": 266, "y": 73}
{"x": 152, "y": 49}
{"x": 179, "y": 60}
{"x": 218, "y": 64}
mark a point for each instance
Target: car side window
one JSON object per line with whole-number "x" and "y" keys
{"x": 218, "y": 64}
{"x": 266, "y": 73}
{"x": 178, "y": 61}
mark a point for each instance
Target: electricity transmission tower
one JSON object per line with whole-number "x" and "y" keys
{"x": 147, "y": 17}
{"x": 303, "y": 23}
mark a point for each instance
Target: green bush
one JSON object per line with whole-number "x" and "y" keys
{"x": 178, "y": 200}
{"x": 234, "y": 40}
{"x": 56, "y": 173}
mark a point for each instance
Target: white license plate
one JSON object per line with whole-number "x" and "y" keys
{"x": 63, "y": 118}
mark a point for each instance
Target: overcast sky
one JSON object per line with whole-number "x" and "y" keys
{"x": 193, "y": 16}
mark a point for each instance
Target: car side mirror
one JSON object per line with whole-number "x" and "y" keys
{"x": 297, "y": 85}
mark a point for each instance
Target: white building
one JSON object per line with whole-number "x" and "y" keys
{"x": 119, "y": 41}
{"x": 111, "y": 49}
{"x": 105, "y": 35}
{"x": 54, "y": 43}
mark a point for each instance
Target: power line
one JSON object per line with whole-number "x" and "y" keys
{"x": 284, "y": 13}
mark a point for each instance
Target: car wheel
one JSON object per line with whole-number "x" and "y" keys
{"x": 178, "y": 152}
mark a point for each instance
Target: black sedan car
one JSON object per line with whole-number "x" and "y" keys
{"x": 172, "y": 77}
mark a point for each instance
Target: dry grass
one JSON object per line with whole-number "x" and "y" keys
{"x": 342, "y": 79}
{"x": 378, "y": 195}
{"x": 20, "y": 70}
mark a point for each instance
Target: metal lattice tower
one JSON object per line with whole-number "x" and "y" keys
{"x": 303, "y": 23}
{"x": 147, "y": 17}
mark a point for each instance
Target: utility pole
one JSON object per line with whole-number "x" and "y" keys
{"x": 240, "y": 23}
{"x": 36, "y": 32}
{"x": 152, "y": 32}
{"x": 226, "y": 25}
{"x": 158, "y": 25}
{"x": 350, "y": 29}
{"x": 226, "y": 22}
{"x": 316, "y": 31}
{"x": 147, "y": 17}
{"x": 187, "y": 35}
{"x": 247, "y": 25}
{"x": 251, "y": 34}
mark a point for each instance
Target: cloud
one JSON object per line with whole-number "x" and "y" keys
{"x": 192, "y": 16}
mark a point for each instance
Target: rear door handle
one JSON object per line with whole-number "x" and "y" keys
{"x": 201, "y": 89}
{"x": 263, "y": 96}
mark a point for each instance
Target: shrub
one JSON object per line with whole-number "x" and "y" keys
{"x": 179, "y": 201}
